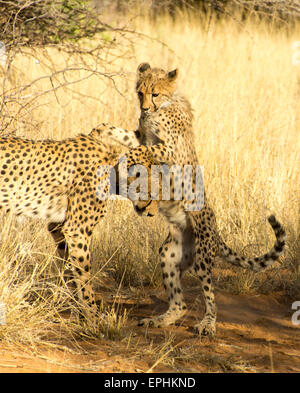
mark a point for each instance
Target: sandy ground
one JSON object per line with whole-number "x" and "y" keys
{"x": 254, "y": 334}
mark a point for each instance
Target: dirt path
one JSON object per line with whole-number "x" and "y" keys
{"x": 254, "y": 334}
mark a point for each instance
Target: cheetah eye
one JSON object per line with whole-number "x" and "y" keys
{"x": 155, "y": 94}
{"x": 140, "y": 94}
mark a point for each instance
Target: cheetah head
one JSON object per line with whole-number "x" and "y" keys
{"x": 154, "y": 87}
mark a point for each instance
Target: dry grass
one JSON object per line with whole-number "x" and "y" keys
{"x": 245, "y": 93}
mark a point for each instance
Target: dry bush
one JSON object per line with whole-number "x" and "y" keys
{"x": 40, "y": 23}
{"x": 280, "y": 12}
{"x": 55, "y": 36}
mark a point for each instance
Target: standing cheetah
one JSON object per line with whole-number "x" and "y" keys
{"x": 165, "y": 132}
{"x": 57, "y": 181}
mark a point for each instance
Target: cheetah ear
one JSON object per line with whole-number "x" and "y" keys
{"x": 143, "y": 67}
{"x": 172, "y": 75}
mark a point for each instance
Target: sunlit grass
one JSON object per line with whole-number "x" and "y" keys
{"x": 245, "y": 93}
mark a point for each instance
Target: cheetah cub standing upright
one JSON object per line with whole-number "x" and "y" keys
{"x": 166, "y": 134}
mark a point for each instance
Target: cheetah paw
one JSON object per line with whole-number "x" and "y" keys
{"x": 150, "y": 322}
{"x": 206, "y": 328}
{"x": 163, "y": 320}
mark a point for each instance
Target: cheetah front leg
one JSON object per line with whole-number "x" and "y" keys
{"x": 149, "y": 155}
{"x": 122, "y": 136}
{"x": 171, "y": 257}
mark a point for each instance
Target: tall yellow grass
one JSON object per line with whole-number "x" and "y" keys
{"x": 245, "y": 92}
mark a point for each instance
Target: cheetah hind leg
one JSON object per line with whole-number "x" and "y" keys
{"x": 170, "y": 257}
{"x": 207, "y": 327}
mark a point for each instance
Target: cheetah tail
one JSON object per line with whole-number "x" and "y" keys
{"x": 263, "y": 261}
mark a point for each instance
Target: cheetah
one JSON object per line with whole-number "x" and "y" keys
{"x": 57, "y": 181}
{"x": 166, "y": 136}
